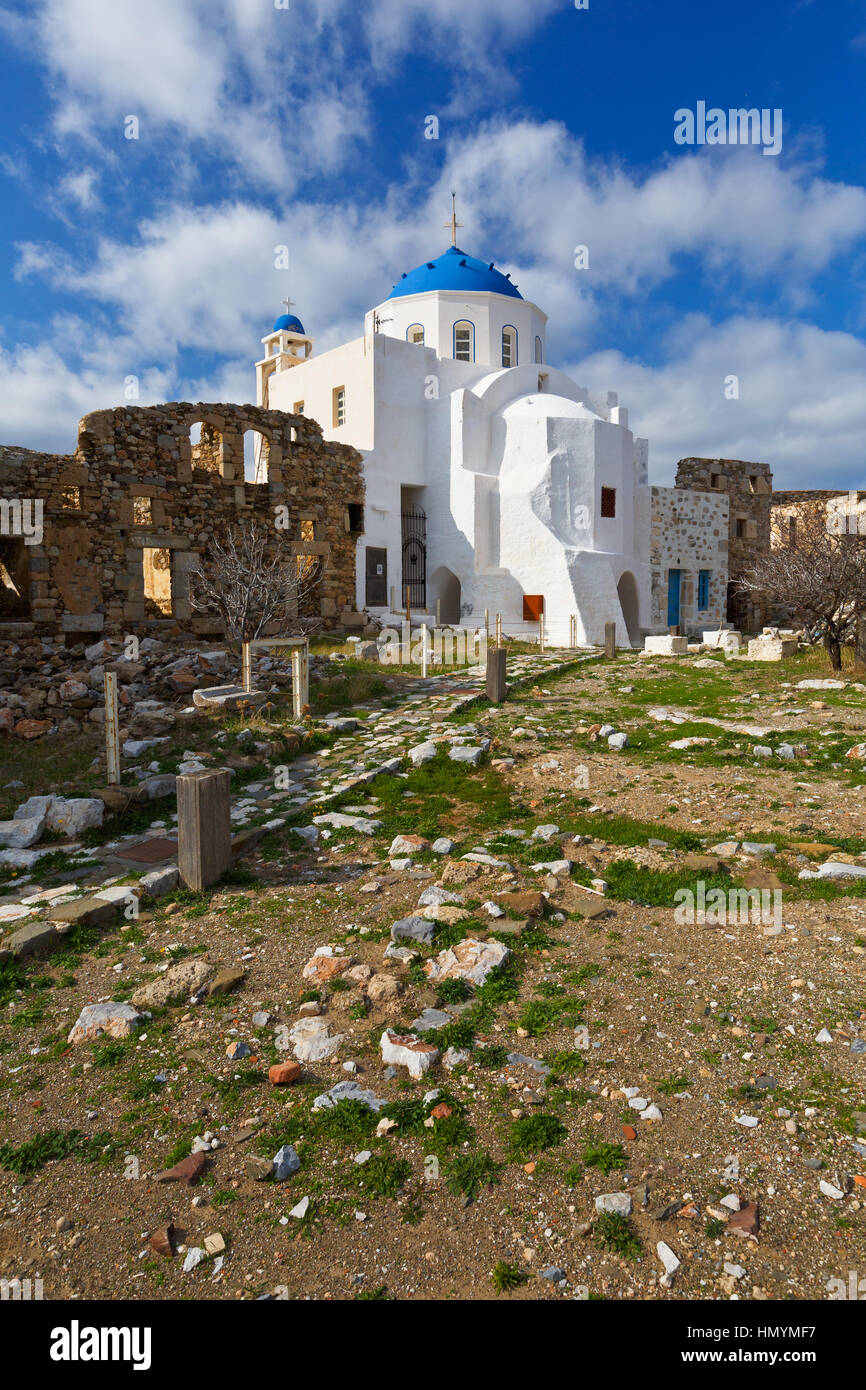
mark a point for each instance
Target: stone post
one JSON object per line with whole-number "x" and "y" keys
{"x": 497, "y": 684}
{"x": 204, "y": 833}
{"x": 610, "y": 641}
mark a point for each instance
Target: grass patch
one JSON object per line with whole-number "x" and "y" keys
{"x": 506, "y": 1277}
{"x": 616, "y": 1234}
{"x": 534, "y": 1134}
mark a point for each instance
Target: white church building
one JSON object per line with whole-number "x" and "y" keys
{"x": 493, "y": 481}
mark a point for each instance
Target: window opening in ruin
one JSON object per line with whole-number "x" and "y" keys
{"x": 142, "y": 511}
{"x": 608, "y": 502}
{"x": 339, "y": 406}
{"x": 206, "y": 447}
{"x": 740, "y": 529}
{"x": 14, "y": 579}
{"x": 156, "y": 566}
{"x": 256, "y": 458}
{"x": 72, "y": 499}
{"x": 356, "y": 518}
{"x": 308, "y": 530}
{"x": 715, "y": 480}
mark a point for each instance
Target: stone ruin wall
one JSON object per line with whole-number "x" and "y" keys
{"x": 688, "y": 532}
{"x": 749, "y": 489}
{"x": 137, "y": 502}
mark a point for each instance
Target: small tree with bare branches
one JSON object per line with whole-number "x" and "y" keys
{"x": 816, "y": 569}
{"x": 249, "y": 582}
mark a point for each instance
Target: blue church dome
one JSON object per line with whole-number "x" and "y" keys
{"x": 455, "y": 271}
{"x": 290, "y": 324}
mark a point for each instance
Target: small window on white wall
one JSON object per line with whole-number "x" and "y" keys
{"x": 539, "y": 351}
{"x": 509, "y": 347}
{"x": 416, "y": 334}
{"x": 464, "y": 341}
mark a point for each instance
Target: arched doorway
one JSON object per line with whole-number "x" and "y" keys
{"x": 446, "y": 588}
{"x": 630, "y": 604}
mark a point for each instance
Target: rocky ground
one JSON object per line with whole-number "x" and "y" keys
{"x": 473, "y": 923}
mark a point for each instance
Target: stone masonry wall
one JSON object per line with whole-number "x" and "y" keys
{"x": 138, "y": 498}
{"x": 749, "y": 489}
{"x": 688, "y": 532}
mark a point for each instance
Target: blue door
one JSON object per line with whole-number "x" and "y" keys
{"x": 674, "y": 578}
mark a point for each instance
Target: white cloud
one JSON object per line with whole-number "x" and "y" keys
{"x": 202, "y": 281}
{"x": 533, "y": 184}
{"x": 473, "y": 32}
{"x": 802, "y": 407}
{"x": 81, "y": 189}
{"x": 42, "y": 396}
{"x": 279, "y": 93}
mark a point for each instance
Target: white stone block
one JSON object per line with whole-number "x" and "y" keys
{"x": 667, "y": 645}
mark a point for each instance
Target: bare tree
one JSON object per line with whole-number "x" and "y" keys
{"x": 816, "y": 569}
{"x": 249, "y": 582}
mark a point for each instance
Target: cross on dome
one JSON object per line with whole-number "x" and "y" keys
{"x": 453, "y": 224}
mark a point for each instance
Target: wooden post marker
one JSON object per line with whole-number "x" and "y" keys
{"x": 204, "y": 834}
{"x": 246, "y": 667}
{"x": 112, "y": 729}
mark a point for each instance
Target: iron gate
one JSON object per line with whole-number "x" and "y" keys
{"x": 414, "y": 522}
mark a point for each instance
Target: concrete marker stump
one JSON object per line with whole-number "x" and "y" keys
{"x": 497, "y": 683}
{"x": 204, "y": 832}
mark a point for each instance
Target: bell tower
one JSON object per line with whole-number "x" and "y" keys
{"x": 286, "y": 346}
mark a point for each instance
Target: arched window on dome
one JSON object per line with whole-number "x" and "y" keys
{"x": 415, "y": 334}
{"x": 539, "y": 350}
{"x": 464, "y": 341}
{"x": 509, "y": 347}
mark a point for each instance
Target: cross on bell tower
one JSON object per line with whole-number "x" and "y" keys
{"x": 453, "y": 224}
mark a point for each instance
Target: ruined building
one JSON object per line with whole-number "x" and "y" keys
{"x": 748, "y": 488}
{"x": 118, "y": 524}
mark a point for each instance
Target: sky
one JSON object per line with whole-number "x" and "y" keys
{"x": 304, "y": 124}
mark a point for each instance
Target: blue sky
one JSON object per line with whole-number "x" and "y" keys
{"x": 304, "y": 126}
